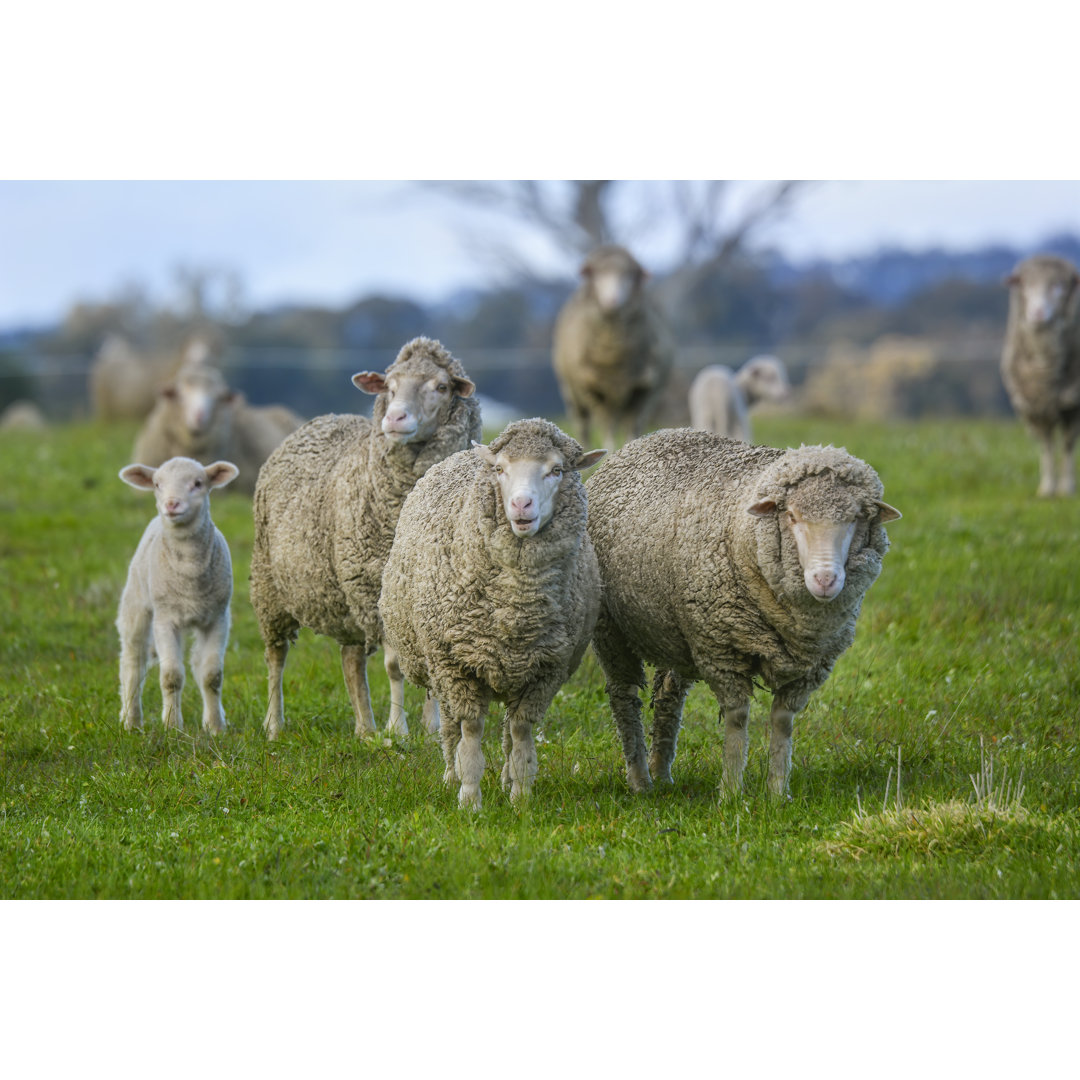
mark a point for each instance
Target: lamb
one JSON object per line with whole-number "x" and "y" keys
{"x": 326, "y": 506}
{"x": 23, "y": 415}
{"x": 491, "y": 592}
{"x": 731, "y": 564}
{"x": 612, "y": 352}
{"x": 1040, "y": 364}
{"x": 197, "y": 415}
{"x": 720, "y": 399}
{"x": 180, "y": 579}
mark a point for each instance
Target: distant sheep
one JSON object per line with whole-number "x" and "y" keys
{"x": 23, "y": 416}
{"x": 612, "y": 352}
{"x": 721, "y": 399}
{"x": 733, "y": 564}
{"x": 198, "y": 416}
{"x": 491, "y": 592}
{"x": 179, "y": 580}
{"x": 1040, "y": 365}
{"x": 123, "y": 383}
{"x": 326, "y": 506}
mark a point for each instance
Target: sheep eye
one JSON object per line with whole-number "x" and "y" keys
{"x": 442, "y": 388}
{"x": 790, "y": 517}
{"x": 557, "y": 471}
{"x": 197, "y": 485}
{"x": 499, "y": 469}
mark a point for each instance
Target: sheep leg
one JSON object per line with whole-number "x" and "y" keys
{"x": 354, "y": 667}
{"x": 450, "y": 730}
{"x": 736, "y": 745}
{"x": 1066, "y": 484}
{"x": 782, "y": 721}
{"x": 669, "y": 694}
{"x": 275, "y": 674}
{"x": 398, "y": 721}
{"x": 469, "y": 760}
{"x": 170, "y": 652}
{"x": 624, "y": 674}
{"x": 1046, "y": 462}
{"x": 208, "y": 664}
{"x": 431, "y": 714}
{"x": 135, "y": 648}
{"x": 521, "y": 763}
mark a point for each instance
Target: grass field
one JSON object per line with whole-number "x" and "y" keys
{"x": 939, "y": 761}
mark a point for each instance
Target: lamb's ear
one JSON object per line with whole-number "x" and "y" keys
{"x": 371, "y": 382}
{"x": 138, "y": 476}
{"x": 1010, "y": 279}
{"x": 484, "y": 453}
{"x": 887, "y": 512}
{"x": 464, "y": 387}
{"x": 587, "y": 461}
{"x": 221, "y": 473}
{"x": 763, "y": 508}
{"x": 169, "y": 391}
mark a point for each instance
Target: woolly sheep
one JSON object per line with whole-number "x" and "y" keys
{"x": 124, "y": 384}
{"x": 180, "y": 579}
{"x": 23, "y": 415}
{"x": 612, "y": 352}
{"x": 1040, "y": 364}
{"x": 731, "y": 564}
{"x": 491, "y": 592}
{"x": 721, "y": 399}
{"x": 326, "y": 505}
{"x": 197, "y": 415}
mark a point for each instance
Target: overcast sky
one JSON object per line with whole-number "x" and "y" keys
{"x": 332, "y": 242}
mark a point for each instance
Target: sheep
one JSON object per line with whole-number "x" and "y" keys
{"x": 720, "y": 399}
{"x": 731, "y": 564}
{"x": 124, "y": 384}
{"x": 197, "y": 415}
{"x": 326, "y": 505}
{"x": 23, "y": 415}
{"x": 179, "y": 579}
{"x": 612, "y": 352}
{"x": 491, "y": 592}
{"x": 1040, "y": 363}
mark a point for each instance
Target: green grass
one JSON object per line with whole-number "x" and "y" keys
{"x": 969, "y": 636}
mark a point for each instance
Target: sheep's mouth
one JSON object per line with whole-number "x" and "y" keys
{"x": 523, "y": 526}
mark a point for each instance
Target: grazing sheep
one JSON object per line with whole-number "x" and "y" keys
{"x": 198, "y": 416}
{"x": 721, "y": 399}
{"x": 612, "y": 352}
{"x": 732, "y": 564}
{"x": 491, "y": 592}
{"x": 1040, "y": 365}
{"x": 326, "y": 505}
{"x": 123, "y": 384}
{"x": 180, "y": 579}
{"x": 23, "y": 416}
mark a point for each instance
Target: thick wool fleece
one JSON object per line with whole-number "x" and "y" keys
{"x": 475, "y": 612}
{"x": 326, "y": 506}
{"x": 695, "y": 584}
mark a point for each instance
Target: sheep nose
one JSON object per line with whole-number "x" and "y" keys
{"x": 396, "y": 413}
{"x": 171, "y": 506}
{"x": 825, "y": 579}
{"x": 520, "y": 504}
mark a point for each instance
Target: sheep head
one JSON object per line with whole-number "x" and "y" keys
{"x": 1043, "y": 286}
{"x": 529, "y": 460}
{"x": 199, "y": 392}
{"x": 417, "y": 391}
{"x": 180, "y": 486}
{"x": 612, "y": 276}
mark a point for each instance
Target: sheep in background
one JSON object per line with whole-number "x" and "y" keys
{"x": 732, "y": 564}
{"x": 721, "y": 399}
{"x": 23, "y": 416}
{"x": 491, "y": 592}
{"x": 612, "y": 352}
{"x": 124, "y": 385}
{"x": 1040, "y": 364}
{"x": 198, "y": 416}
{"x": 179, "y": 580}
{"x": 326, "y": 506}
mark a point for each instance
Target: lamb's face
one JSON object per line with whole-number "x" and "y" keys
{"x": 199, "y": 393}
{"x": 822, "y": 531}
{"x": 766, "y": 379}
{"x": 180, "y": 486}
{"x": 1044, "y": 292}
{"x": 419, "y": 398}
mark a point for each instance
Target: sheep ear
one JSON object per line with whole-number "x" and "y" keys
{"x": 371, "y": 382}
{"x": 221, "y": 473}
{"x": 1010, "y": 279}
{"x": 587, "y": 461}
{"x": 484, "y": 453}
{"x": 887, "y": 512}
{"x": 138, "y": 476}
{"x": 464, "y": 387}
{"x": 169, "y": 391}
{"x": 763, "y": 508}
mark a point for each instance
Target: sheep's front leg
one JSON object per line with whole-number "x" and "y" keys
{"x": 1066, "y": 484}
{"x": 208, "y": 663}
{"x": 1047, "y": 464}
{"x": 275, "y": 676}
{"x": 167, "y": 641}
{"x": 354, "y": 667}
{"x": 521, "y": 716}
{"x": 624, "y": 674}
{"x": 669, "y": 694}
{"x": 782, "y": 722}
{"x": 398, "y": 721}
{"x": 469, "y": 760}
{"x": 736, "y": 745}
{"x": 135, "y": 646}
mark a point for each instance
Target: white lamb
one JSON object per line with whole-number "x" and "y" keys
{"x": 721, "y": 399}
{"x": 180, "y": 579}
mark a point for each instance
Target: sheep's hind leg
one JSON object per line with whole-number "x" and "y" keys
{"x": 669, "y": 694}
{"x": 398, "y": 721}
{"x": 275, "y": 654}
{"x": 736, "y": 745}
{"x": 450, "y": 730}
{"x": 431, "y": 714}
{"x": 1047, "y": 464}
{"x": 782, "y": 721}
{"x": 135, "y": 650}
{"x": 624, "y": 674}
{"x": 1066, "y": 484}
{"x": 354, "y": 667}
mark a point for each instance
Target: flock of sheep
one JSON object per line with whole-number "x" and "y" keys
{"x": 485, "y": 571}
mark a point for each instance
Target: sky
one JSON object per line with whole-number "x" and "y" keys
{"x": 331, "y": 242}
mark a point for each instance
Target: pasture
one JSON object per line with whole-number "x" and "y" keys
{"x": 939, "y": 761}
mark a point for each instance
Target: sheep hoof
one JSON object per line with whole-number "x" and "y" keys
{"x": 364, "y": 728}
{"x": 638, "y": 779}
{"x": 131, "y": 723}
{"x": 519, "y": 795}
{"x": 449, "y": 777}
{"x": 661, "y": 774}
{"x": 398, "y": 723}
{"x": 505, "y": 778}
{"x": 215, "y": 725}
{"x": 469, "y": 798}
